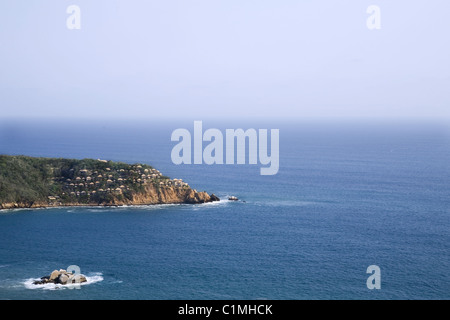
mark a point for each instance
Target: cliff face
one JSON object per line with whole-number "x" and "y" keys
{"x": 151, "y": 196}
{"x": 166, "y": 195}
{"x": 27, "y": 182}
{"x": 171, "y": 195}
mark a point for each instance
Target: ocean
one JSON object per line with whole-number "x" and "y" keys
{"x": 348, "y": 195}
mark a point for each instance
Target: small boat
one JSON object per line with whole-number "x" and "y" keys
{"x": 233, "y": 198}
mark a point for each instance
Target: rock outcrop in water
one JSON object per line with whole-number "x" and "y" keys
{"x": 61, "y": 277}
{"x": 27, "y": 182}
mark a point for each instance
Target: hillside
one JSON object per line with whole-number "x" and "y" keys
{"x": 28, "y": 182}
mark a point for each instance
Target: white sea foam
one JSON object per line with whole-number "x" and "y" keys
{"x": 130, "y": 207}
{"x": 216, "y": 203}
{"x": 92, "y": 278}
{"x": 101, "y": 209}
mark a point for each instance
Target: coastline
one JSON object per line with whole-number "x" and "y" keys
{"x": 29, "y": 182}
{"x": 80, "y": 205}
{"x": 195, "y": 200}
{"x": 96, "y": 206}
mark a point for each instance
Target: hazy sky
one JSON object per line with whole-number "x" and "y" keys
{"x": 212, "y": 58}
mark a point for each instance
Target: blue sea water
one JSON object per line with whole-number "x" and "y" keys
{"x": 347, "y": 196}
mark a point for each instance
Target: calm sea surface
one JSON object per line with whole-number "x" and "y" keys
{"x": 346, "y": 197}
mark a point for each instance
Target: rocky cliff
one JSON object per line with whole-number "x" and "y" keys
{"x": 27, "y": 182}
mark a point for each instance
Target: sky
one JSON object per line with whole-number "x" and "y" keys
{"x": 200, "y": 59}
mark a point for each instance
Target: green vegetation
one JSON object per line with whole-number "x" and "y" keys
{"x": 29, "y": 180}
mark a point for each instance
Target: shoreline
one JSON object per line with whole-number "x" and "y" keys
{"x": 60, "y": 206}
{"x": 35, "y": 182}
